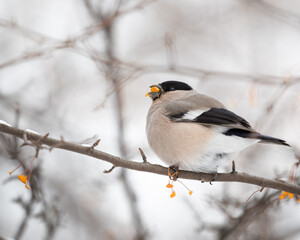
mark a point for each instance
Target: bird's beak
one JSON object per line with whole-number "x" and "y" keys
{"x": 155, "y": 92}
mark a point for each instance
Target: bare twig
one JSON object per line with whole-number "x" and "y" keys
{"x": 113, "y": 73}
{"x": 206, "y": 73}
{"x": 94, "y": 28}
{"x": 28, "y": 207}
{"x": 259, "y": 190}
{"x": 68, "y": 43}
{"x": 25, "y": 32}
{"x": 153, "y": 168}
{"x": 238, "y": 225}
{"x": 31, "y": 55}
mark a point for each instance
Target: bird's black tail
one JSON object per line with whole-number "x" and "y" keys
{"x": 254, "y": 135}
{"x": 268, "y": 139}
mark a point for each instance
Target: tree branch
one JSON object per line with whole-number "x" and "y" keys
{"x": 148, "y": 167}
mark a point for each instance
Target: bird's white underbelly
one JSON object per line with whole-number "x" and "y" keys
{"x": 218, "y": 151}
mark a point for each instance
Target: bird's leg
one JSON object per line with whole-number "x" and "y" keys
{"x": 214, "y": 174}
{"x": 173, "y": 171}
{"x": 233, "y": 168}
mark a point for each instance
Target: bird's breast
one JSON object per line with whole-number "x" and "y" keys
{"x": 176, "y": 142}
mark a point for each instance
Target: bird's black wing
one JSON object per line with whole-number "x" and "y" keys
{"x": 221, "y": 116}
{"x": 213, "y": 116}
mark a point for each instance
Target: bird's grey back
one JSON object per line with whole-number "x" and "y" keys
{"x": 192, "y": 102}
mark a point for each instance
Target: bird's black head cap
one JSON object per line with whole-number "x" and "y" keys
{"x": 169, "y": 86}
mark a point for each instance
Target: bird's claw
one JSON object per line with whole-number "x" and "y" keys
{"x": 214, "y": 175}
{"x": 173, "y": 172}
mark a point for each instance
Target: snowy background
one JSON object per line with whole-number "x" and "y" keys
{"x": 81, "y": 68}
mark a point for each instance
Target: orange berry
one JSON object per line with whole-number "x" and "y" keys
{"x": 27, "y": 187}
{"x": 291, "y": 195}
{"x": 169, "y": 185}
{"x": 173, "y": 194}
{"x": 23, "y": 178}
{"x": 283, "y": 195}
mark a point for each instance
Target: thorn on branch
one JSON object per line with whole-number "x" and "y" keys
{"x": 143, "y": 155}
{"x": 46, "y": 135}
{"x": 109, "y": 170}
{"x": 94, "y": 145}
{"x": 233, "y": 168}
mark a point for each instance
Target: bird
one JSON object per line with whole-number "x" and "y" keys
{"x": 196, "y": 132}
